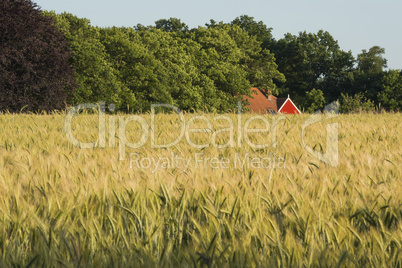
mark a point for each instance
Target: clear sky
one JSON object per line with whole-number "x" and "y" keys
{"x": 356, "y": 24}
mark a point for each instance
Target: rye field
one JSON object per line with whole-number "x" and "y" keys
{"x": 226, "y": 192}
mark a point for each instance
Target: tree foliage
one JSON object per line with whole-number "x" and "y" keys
{"x": 96, "y": 77}
{"x": 311, "y": 61}
{"x": 34, "y": 71}
{"x": 257, "y": 29}
{"x": 171, "y": 25}
{"x": 356, "y": 103}
{"x": 314, "y": 100}
{"x": 372, "y": 61}
{"x": 208, "y": 68}
{"x": 205, "y": 68}
{"x": 390, "y": 95}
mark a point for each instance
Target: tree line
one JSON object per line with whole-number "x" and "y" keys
{"x": 207, "y": 68}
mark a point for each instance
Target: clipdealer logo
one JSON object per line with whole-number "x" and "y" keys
{"x": 330, "y": 157}
{"x": 186, "y": 128}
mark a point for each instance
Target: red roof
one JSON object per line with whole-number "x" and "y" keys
{"x": 260, "y": 103}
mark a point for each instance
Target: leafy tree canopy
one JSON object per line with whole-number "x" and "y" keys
{"x": 205, "y": 68}
{"x": 35, "y": 73}
{"x": 372, "y": 61}
{"x": 390, "y": 94}
{"x": 258, "y": 29}
{"x": 171, "y": 25}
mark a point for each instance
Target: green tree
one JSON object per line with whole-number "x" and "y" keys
{"x": 312, "y": 61}
{"x": 355, "y": 104}
{"x": 171, "y": 25}
{"x": 235, "y": 61}
{"x": 368, "y": 75}
{"x": 390, "y": 94}
{"x": 262, "y": 71}
{"x": 253, "y": 39}
{"x": 98, "y": 80}
{"x": 372, "y": 62}
{"x": 137, "y": 67}
{"x": 259, "y": 30}
{"x": 177, "y": 69}
{"x": 219, "y": 60}
{"x": 314, "y": 100}
{"x": 34, "y": 70}
{"x": 206, "y": 68}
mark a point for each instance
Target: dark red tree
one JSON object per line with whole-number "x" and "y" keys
{"x": 34, "y": 70}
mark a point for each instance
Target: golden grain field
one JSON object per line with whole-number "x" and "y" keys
{"x": 236, "y": 206}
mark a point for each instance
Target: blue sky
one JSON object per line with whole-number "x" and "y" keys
{"x": 356, "y": 24}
